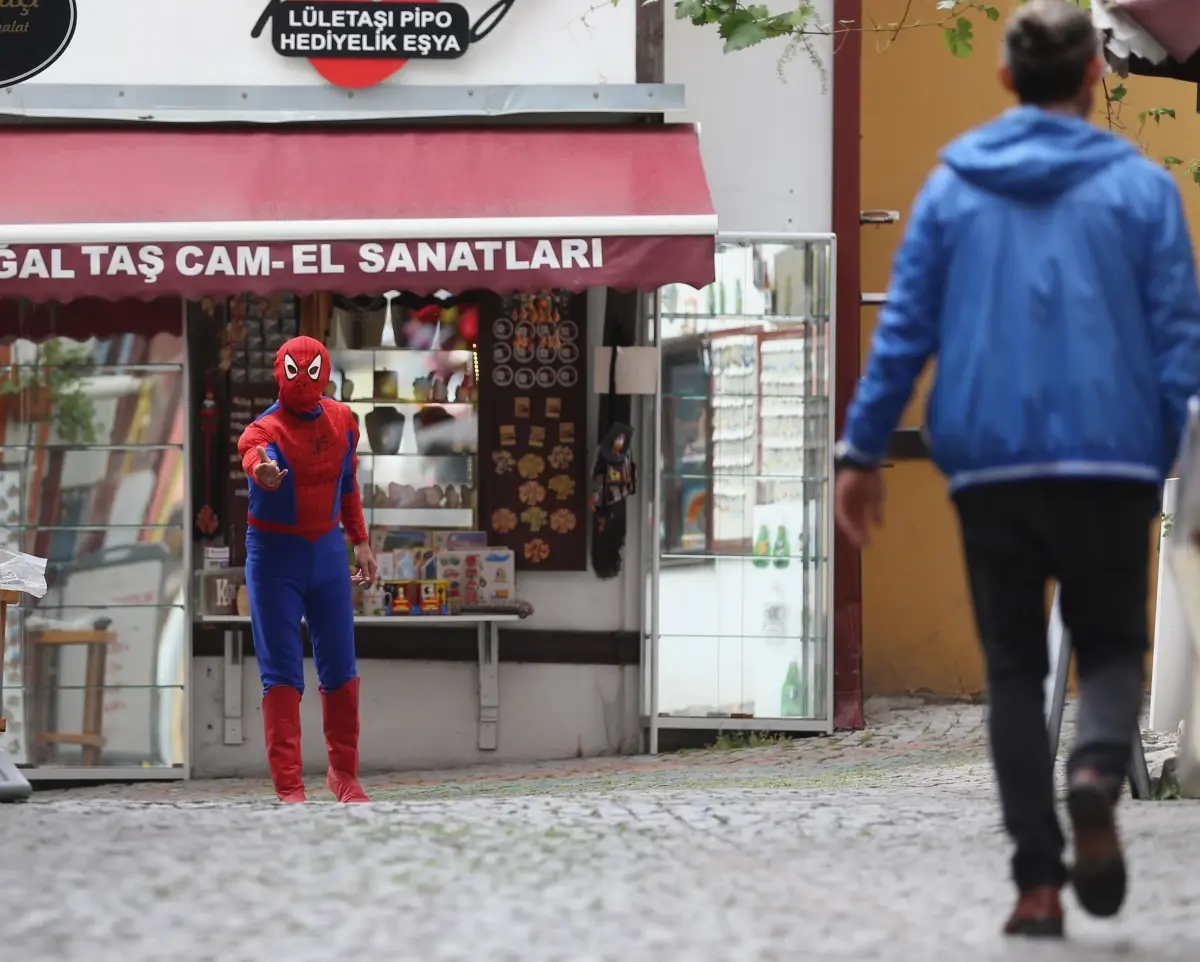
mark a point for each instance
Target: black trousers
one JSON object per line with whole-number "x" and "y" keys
{"x": 1093, "y": 537}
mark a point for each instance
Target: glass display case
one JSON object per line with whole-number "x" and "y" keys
{"x": 94, "y": 479}
{"x": 740, "y": 596}
{"x": 418, "y": 434}
{"x": 408, "y": 368}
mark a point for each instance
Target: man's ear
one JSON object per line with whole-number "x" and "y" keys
{"x": 1006, "y": 78}
{"x": 1095, "y": 71}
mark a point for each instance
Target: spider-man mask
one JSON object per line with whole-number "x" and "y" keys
{"x": 301, "y": 371}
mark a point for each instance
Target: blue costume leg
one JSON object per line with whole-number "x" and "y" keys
{"x": 275, "y": 584}
{"x": 330, "y": 617}
{"x": 276, "y": 574}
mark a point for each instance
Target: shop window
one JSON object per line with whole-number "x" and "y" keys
{"x": 743, "y": 592}
{"x": 93, "y": 478}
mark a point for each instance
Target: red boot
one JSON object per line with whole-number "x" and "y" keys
{"x": 281, "y": 720}
{"x": 340, "y": 708}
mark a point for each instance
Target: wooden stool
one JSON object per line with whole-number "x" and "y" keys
{"x": 90, "y": 738}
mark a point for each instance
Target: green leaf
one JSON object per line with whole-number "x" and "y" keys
{"x": 1117, "y": 94}
{"x": 745, "y": 34}
{"x": 992, "y": 13}
{"x": 1172, "y": 161}
{"x": 958, "y": 38}
{"x": 696, "y": 11}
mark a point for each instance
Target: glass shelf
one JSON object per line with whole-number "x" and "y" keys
{"x": 417, "y": 462}
{"x": 420, "y": 517}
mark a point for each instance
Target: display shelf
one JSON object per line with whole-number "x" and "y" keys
{"x": 420, "y": 517}
{"x": 397, "y": 620}
{"x": 369, "y": 355}
{"x": 353, "y": 403}
{"x": 409, "y": 457}
{"x": 405, "y": 452}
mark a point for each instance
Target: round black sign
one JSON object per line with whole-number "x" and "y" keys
{"x": 33, "y": 34}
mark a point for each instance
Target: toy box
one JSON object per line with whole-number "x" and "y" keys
{"x": 459, "y": 540}
{"x": 416, "y": 564}
{"x": 399, "y": 597}
{"x": 460, "y": 570}
{"x": 432, "y": 597}
{"x": 497, "y": 576}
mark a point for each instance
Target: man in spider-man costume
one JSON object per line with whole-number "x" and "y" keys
{"x": 302, "y": 470}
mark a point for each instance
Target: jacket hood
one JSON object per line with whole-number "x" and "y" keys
{"x": 1032, "y": 154}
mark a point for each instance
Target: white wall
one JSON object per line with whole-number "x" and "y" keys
{"x": 766, "y": 128}
{"x": 208, "y": 42}
{"x": 421, "y": 714}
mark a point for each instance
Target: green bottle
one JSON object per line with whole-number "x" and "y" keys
{"x": 781, "y": 550}
{"x": 762, "y": 548}
{"x": 791, "y": 705}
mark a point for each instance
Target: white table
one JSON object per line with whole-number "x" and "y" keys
{"x": 487, "y": 628}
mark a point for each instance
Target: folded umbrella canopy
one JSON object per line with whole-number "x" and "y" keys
{"x": 1175, "y": 24}
{"x": 1151, "y": 38}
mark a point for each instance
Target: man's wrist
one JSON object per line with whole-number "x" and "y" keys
{"x": 846, "y": 455}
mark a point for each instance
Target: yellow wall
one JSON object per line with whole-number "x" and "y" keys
{"x": 917, "y": 629}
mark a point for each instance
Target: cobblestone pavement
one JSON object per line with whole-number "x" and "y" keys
{"x": 874, "y": 845}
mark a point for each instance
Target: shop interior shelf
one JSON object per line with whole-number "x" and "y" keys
{"x": 397, "y": 620}
{"x": 368, "y": 355}
{"x": 420, "y": 517}
{"x": 367, "y": 456}
{"x": 459, "y": 408}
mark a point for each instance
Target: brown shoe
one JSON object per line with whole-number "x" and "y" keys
{"x": 1038, "y": 914}
{"x": 1099, "y": 871}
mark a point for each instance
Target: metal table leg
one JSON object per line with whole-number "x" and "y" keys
{"x": 1059, "y": 643}
{"x": 489, "y": 684}
{"x": 14, "y": 787}
{"x": 232, "y": 688}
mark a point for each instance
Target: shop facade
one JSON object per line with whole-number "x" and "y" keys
{"x": 467, "y": 231}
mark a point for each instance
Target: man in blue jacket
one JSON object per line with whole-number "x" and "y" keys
{"x": 1047, "y": 265}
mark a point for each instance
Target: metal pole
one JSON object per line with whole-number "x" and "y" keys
{"x": 655, "y": 461}
{"x": 830, "y": 533}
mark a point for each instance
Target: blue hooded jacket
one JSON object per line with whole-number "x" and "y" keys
{"x": 1048, "y": 266}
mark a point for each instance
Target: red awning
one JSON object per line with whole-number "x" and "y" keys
{"x": 142, "y": 212}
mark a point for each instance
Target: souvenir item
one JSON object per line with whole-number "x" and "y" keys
{"x": 207, "y": 521}
{"x": 614, "y": 475}
{"x": 385, "y": 430}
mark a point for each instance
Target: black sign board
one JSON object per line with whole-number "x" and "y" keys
{"x": 371, "y": 30}
{"x": 33, "y": 34}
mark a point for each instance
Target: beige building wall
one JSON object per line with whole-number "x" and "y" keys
{"x": 917, "y": 628}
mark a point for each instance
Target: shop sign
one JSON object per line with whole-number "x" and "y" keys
{"x": 151, "y": 270}
{"x": 357, "y": 43}
{"x": 33, "y": 34}
{"x": 150, "y": 262}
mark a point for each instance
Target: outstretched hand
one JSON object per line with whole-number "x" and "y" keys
{"x": 267, "y": 472}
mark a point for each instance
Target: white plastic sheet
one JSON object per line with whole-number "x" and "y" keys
{"x": 1184, "y": 556}
{"x": 22, "y": 572}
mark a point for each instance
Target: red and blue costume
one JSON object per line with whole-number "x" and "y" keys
{"x": 296, "y": 565}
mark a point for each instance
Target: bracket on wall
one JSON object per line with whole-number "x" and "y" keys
{"x": 488, "y": 640}
{"x": 231, "y": 679}
{"x": 878, "y": 216}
